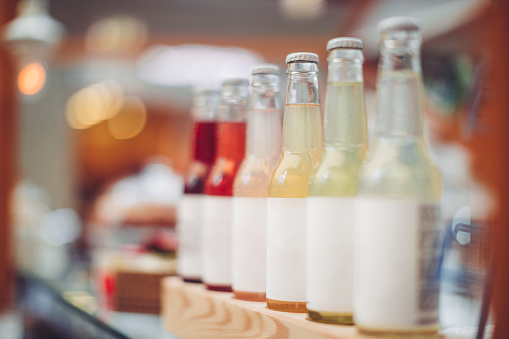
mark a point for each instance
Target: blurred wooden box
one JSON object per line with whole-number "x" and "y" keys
{"x": 138, "y": 292}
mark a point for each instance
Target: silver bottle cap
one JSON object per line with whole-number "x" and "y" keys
{"x": 265, "y": 69}
{"x": 302, "y": 57}
{"x": 235, "y": 82}
{"x": 352, "y": 43}
{"x": 403, "y": 23}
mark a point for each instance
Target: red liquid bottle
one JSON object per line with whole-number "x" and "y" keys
{"x": 218, "y": 223}
{"x": 190, "y": 219}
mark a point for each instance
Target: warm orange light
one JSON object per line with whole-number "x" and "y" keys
{"x": 93, "y": 104}
{"x": 130, "y": 120}
{"x": 31, "y": 78}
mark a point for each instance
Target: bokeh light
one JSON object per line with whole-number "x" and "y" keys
{"x": 31, "y": 78}
{"x": 94, "y": 104}
{"x": 130, "y": 120}
{"x": 116, "y": 34}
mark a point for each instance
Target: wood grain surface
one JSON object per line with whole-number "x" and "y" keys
{"x": 190, "y": 311}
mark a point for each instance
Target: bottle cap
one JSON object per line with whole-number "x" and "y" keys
{"x": 235, "y": 82}
{"x": 353, "y": 43}
{"x": 265, "y": 69}
{"x": 403, "y": 23}
{"x": 302, "y": 57}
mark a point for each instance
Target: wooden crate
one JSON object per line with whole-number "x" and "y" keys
{"x": 138, "y": 292}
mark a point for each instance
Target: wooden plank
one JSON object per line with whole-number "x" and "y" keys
{"x": 7, "y": 159}
{"x": 492, "y": 151}
{"x": 191, "y": 311}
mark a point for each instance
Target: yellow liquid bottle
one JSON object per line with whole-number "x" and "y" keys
{"x": 398, "y": 236}
{"x": 288, "y": 187}
{"x": 263, "y": 144}
{"x": 333, "y": 187}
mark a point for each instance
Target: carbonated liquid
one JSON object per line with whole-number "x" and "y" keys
{"x": 302, "y": 148}
{"x": 345, "y": 141}
{"x": 204, "y": 153}
{"x": 231, "y": 146}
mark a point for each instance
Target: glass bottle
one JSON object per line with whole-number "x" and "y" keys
{"x": 218, "y": 216}
{"x": 251, "y": 183}
{"x": 333, "y": 187}
{"x": 397, "y": 282}
{"x": 288, "y": 187}
{"x": 190, "y": 217}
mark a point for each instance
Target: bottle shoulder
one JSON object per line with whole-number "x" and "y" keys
{"x": 221, "y": 177}
{"x": 337, "y": 172}
{"x": 252, "y": 178}
{"x": 400, "y": 168}
{"x": 291, "y": 175}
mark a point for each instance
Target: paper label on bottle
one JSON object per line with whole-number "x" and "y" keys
{"x": 331, "y": 225}
{"x": 189, "y": 227}
{"x": 217, "y": 240}
{"x": 286, "y": 249}
{"x": 249, "y": 244}
{"x": 396, "y": 258}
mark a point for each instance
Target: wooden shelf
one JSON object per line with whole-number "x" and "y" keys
{"x": 191, "y": 311}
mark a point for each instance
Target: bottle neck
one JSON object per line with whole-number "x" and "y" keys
{"x": 233, "y": 104}
{"x": 302, "y": 84}
{"x": 205, "y": 105}
{"x": 302, "y": 126}
{"x": 345, "y": 110}
{"x": 264, "y": 117}
{"x": 399, "y": 88}
{"x": 265, "y": 93}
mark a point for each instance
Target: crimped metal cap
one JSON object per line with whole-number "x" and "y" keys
{"x": 302, "y": 57}
{"x": 265, "y": 69}
{"x": 403, "y": 23}
{"x": 235, "y": 82}
{"x": 353, "y": 43}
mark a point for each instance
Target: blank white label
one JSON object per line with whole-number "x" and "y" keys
{"x": 331, "y": 225}
{"x": 249, "y": 244}
{"x": 217, "y": 240}
{"x": 286, "y": 249}
{"x": 397, "y": 282}
{"x": 189, "y": 229}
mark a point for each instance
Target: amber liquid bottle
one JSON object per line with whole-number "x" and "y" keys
{"x": 288, "y": 187}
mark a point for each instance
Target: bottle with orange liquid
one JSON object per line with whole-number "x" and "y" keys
{"x": 218, "y": 216}
{"x": 288, "y": 187}
{"x": 251, "y": 183}
{"x": 191, "y": 207}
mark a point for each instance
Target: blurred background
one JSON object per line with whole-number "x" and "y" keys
{"x": 97, "y": 97}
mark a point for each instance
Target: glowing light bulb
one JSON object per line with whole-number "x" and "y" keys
{"x": 31, "y": 78}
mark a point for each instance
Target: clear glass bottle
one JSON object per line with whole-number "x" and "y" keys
{"x": 190, "y": 213}
{"x": 218, "y": 216}
{"x": 288, "y": 188}
{"x": 333, "y": 186}
{"x": 397, "y": 281}
{"x": 263, "y": 145}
